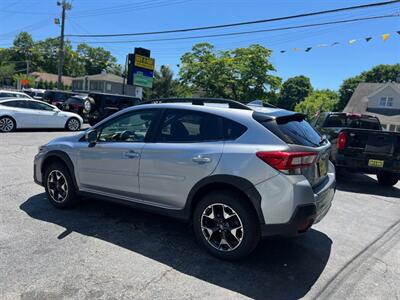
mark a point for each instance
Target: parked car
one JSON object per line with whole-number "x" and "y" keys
{"x": 100, "y": 105}
{"x": 37, "y": 94}
{"x": 235, "y": 172}
{"x": 360, "y": 145}
{"x": 75, "y": 104}
{"x": 16, "y": 113}
{"x": 13, "y": 94}
{"x": 56, "y": 97}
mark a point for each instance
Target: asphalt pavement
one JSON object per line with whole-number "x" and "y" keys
{"x": 101, "y": 250}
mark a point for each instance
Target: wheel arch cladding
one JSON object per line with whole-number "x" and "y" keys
{"x": 220, "y": 182}
{"x": 57, "y": 156}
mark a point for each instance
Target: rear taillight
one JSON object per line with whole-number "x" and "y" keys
{"x": 341, "y": 141}
{"x": 287, "y": 161}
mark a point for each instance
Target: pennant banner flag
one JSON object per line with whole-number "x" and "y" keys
{"x": 367, "y": 39}
{"x": 385, "y": 36}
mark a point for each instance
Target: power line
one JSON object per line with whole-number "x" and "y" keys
{"x": 128, "y": 8}
{"x": 244, "y": 32}
{"x": 240, "y": 23}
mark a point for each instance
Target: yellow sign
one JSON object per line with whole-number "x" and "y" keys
{"x": 144, "y": 62}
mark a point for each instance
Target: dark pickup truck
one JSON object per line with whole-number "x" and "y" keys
{"x": 360, "y": 145}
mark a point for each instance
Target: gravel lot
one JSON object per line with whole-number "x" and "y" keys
{"x": 106, "y": 251}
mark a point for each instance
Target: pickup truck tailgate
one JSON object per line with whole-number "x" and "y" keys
{"x": 370, "y": 149}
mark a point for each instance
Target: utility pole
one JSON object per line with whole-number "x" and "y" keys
{"x": 64, "y": 6}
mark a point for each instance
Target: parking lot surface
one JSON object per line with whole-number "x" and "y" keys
{"x": 101, "y": 250}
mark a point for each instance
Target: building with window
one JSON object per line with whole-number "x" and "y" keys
{"x": 105, "y": 83}
{"x": 379, "y": 99}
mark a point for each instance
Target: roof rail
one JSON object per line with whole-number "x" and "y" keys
{"x": 200, "y": 101}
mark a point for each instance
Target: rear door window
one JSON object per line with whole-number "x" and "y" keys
{"x": 185, "y": 126}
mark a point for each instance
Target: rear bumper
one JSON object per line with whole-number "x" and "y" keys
{"x": 301, "y": 220}
{"x": 309, "y": 206}
{"x": 360, "y": 164}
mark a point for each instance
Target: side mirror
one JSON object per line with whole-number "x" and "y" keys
{"x": 91, "y": 137}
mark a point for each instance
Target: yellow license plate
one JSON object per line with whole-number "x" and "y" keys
{"x": 375, "y": 163}
{"x": 322, "y": 168}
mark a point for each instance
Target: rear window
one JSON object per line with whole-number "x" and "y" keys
{"x": 336, "y": 121}
{"x": 292, "y": 129}
{"x": 344, "y": 121}
{"x": 74, "y": 100}
{"x": 299, "y": 132}
{"x": 364, "y": 123}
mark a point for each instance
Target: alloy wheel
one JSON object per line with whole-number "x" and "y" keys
{"x": 6, "y": 124}
{"x": 57, "y": 186}
{"x": 73, "y": 124}
{"x": 222, "y": 227}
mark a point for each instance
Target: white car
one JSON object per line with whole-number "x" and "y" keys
{"x": 13, "y": 94}
{"x": 26, "y": 113}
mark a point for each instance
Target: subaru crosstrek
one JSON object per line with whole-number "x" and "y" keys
{"x": 237, "y": 172}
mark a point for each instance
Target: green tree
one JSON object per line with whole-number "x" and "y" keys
{"x": 379, "y": 73}
{"x": 318, "y": 100}
{"x": 7, "y": 70}
{"x": 293, "y": 91}
{"x": 166, "y": 86}
{"x": 23, "y": 50}
{"x": 241, "y": 74}
{"x": 41, "y": 84}
{"x": 96, "y": 59}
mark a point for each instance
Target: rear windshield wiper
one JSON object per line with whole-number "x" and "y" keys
{"x": 323, "y": 140}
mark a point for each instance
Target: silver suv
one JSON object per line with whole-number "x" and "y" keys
{"x": 237, "y": 172}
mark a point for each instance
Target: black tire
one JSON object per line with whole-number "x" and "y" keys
{"x": 70, "y": 198}
{"x": 387, "y": 179}
{"x": 73, "y": 124}
{"x": 250, "y": 234}
{"x": 7, "y": 124}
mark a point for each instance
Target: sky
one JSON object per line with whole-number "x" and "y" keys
{"x": 326, "y": 65}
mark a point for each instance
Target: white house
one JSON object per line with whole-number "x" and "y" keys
{"x": 379, "y": 99}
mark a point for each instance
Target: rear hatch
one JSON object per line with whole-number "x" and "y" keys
{"x": 293, "y": 129}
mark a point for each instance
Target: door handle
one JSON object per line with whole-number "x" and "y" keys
{"x": 201, "y": 159}
{"x": 132, "y": 154}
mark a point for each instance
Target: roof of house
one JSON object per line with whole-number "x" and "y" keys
{"x": 51, "y": 77}
{"x": 358, "y": 102}
{"x": 105, "y": 77}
